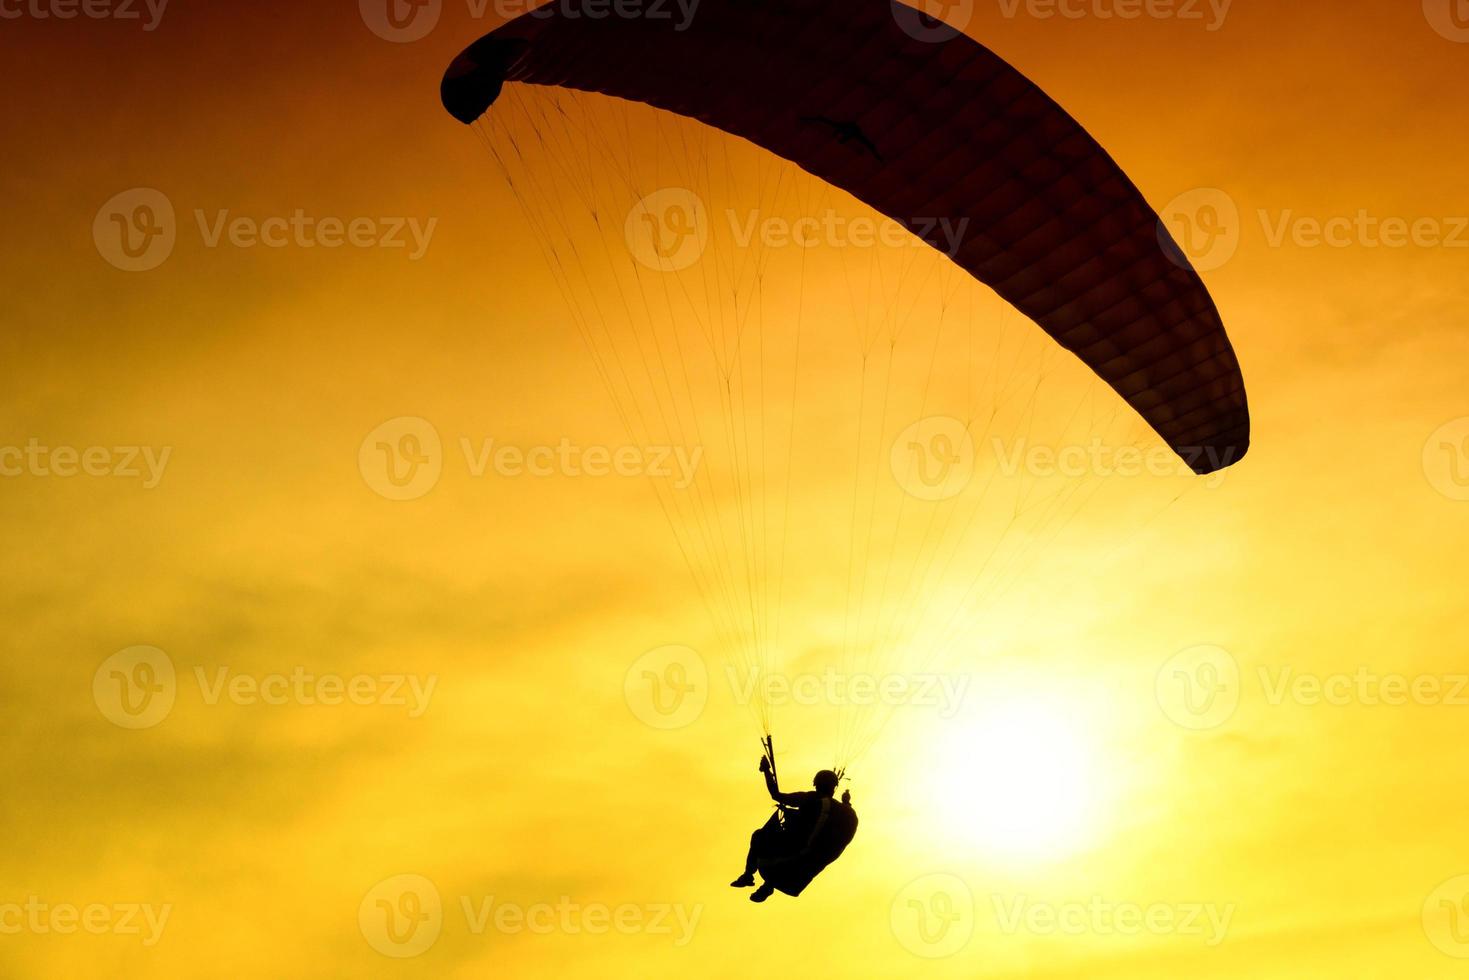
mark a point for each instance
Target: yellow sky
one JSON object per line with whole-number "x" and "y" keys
{"x": 1289, "y": 838}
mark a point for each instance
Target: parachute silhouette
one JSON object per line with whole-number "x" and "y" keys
{"x": 584, "y": 115}
{"x": 917, "y": 127}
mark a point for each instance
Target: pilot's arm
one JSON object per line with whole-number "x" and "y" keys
{"x": 786, "y": 799}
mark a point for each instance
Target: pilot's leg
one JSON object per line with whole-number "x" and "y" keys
{"x": 762, "y": 842}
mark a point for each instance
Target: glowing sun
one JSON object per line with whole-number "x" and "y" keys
{"x": 1021, "y": 781}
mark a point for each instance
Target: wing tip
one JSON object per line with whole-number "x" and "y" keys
{"x": 474, "y": 79}
{"x": 1219, "y": 453}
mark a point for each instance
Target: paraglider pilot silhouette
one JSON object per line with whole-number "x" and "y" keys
{"x": 807, "y": 832}
{"x": 1068, "y": 240}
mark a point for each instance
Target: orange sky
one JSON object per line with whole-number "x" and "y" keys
{"x": 1292, "y": 837}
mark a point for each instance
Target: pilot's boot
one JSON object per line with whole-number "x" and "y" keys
{"x": 745, "y": 880}
{"x": 762, "y": 893}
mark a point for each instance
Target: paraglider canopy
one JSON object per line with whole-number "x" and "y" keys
{"x": 921, "y": 129}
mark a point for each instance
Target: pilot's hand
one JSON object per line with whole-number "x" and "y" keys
{"x": 765, "y": 764}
